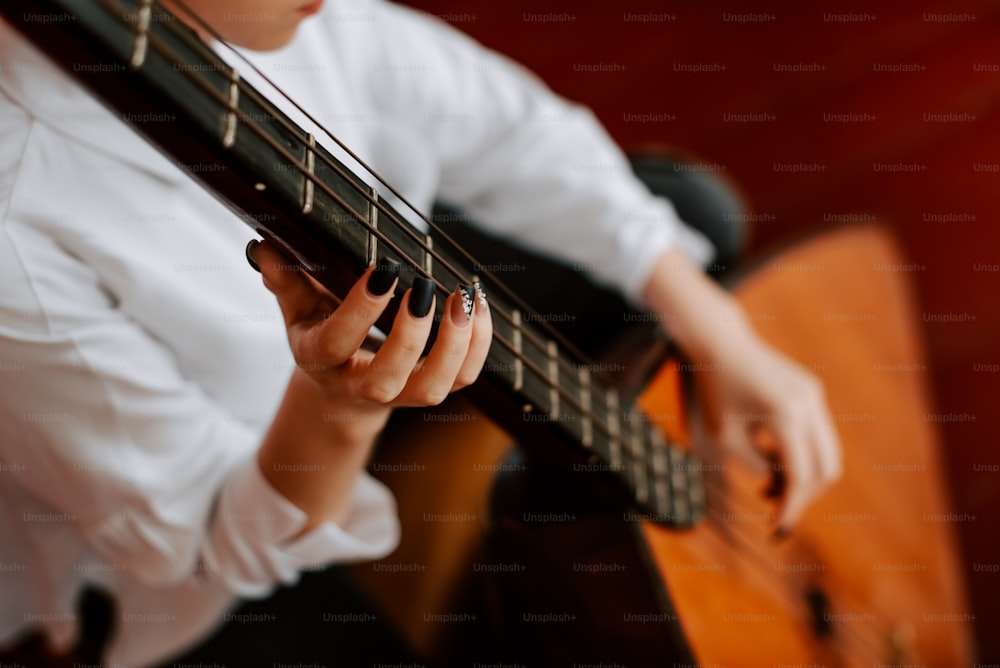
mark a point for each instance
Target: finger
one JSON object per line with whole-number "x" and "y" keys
{"x": 340, "y": 335}
{"x": 390, "y": 369}
{"x": 479, "y": 346}
{"x": 436, "y": 376}
{"x": 814, "y": 455}
{"x": 297, "y": 296}
{"x": 798, "y": 452}
{"x": 828, "y": 451}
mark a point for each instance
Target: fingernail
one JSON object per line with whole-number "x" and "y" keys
{"x": 383, "y": 277}
{"x": 481, "y": 293}
{"x": 251, "y": 246}
{"x": 462, "y": 305}
{"x": 421, "y": 297}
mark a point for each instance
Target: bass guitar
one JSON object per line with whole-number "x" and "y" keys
{"x": 648, "y": 554}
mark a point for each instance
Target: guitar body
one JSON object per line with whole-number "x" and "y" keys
{"x": 878, "y": 545}
{"x": 549, "y": 565}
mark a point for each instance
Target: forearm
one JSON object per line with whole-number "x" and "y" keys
{"x": 316, "y": 449}
{"x": 703, "y": 319}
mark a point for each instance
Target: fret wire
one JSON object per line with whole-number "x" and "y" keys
{"x": 696, "y": 492}
{"x": 671, "y": 505}
{"x": 526, "y": 364}
{"x": 428, "y": 257}
{"x": 661, "y": 493}
{"x": 658, "y": 459}
{"x": 373, "y": 223}
{"x": 553, "y": 351}
{"x": 308, "y": 186}
{"x": 587, "y": 427}
{"x": 660, "y": 466}
{"x": 229, "y": 137}
{"x": 518, "y": 354}
{"x": 141, "y": 44}
{"x": 615, "y": 455}
{"x": 253, "y": 94}
{"x": 679, "y": 484}
{"x": 642, "y": 479}
{"x": 641, "y": 483}
{"x": 614, "y": 427}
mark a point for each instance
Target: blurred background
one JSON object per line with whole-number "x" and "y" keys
{"x": 823, "y": 113}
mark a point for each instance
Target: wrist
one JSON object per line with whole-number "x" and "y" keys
{"x": 705, "y": 321}
{"x": 342, "y": 422}
{"x": 316, "y": 448}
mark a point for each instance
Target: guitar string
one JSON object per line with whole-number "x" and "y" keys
{"x": 627, "y": 453}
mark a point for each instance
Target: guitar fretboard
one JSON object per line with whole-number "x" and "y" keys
{"x": 292, "y": 189}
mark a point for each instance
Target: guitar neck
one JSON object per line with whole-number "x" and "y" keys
{"x": 143, "y": 63}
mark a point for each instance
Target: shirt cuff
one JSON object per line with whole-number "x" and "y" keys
{"x": 255, "y": 542}
{"x": 643, "y": 245}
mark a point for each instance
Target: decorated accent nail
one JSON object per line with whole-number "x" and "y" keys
{"x": 466, "y": 300}
{"x": 478, "y": 285}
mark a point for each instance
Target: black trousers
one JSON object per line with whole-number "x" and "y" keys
{"x": 322, "y": 621}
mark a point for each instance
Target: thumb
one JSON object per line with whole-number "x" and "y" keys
{"x": 285, "y": 278}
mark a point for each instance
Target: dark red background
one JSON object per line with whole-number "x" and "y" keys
{"x": 847, "y": 81}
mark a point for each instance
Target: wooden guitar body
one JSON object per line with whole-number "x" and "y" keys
{"x": 868, "y": 578}
{"x": 880, "y": 544}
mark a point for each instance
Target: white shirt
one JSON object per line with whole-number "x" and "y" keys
{"x": 141, "y": 360}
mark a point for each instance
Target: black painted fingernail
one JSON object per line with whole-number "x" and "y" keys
{"x": 421, "y": 297}
{"x": 382, "y": 278}
{"x": 251, "y": 246}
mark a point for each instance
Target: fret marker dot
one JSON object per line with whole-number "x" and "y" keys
{"x": 527, "y": 408}
{"x": 260, "y": 187}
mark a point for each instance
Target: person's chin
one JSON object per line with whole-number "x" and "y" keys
{"x": 272, "y": 40}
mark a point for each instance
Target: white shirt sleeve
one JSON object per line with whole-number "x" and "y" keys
{"x": 521, "y": 161}
{"x": 112, "y": 433}
{"x": 158, "y": 479}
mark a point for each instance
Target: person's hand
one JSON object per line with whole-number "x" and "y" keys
{"x": 340, "y": 393}
{"x": 326, "y": 336}
{"x": 770, "y": 412}
{"x": 756, "y": 402}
